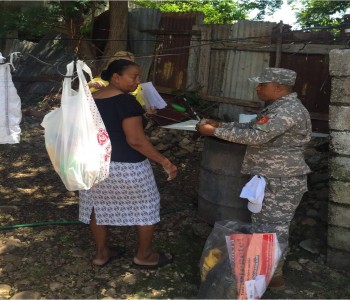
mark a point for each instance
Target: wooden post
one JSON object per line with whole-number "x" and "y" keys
{"x": 155, "y": 66}
{"x": 279, "y": 46}
{"x": 204, "y": 58}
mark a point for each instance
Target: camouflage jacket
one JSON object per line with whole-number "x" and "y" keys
{"x": 275, "y": 139}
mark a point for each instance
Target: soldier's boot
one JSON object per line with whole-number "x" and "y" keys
{"x": 277, "y": 281}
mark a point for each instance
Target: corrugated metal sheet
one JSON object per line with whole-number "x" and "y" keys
{"x": 193, "y": 61}
{"x": 178, "y": 66}
{"x": 230, "y": 69}
{"x": 141, "y": 41}
{"x": 313, "y": 85}
{"x": 172, "y": 49}
{"x": 240, "y": 65}
{"x": 217, "y": 59}
{"x": 14, "y": 45}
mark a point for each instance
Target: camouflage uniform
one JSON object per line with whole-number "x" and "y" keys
{"x": 275, "y": 141}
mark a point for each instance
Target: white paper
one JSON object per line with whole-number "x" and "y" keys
{"x": 243, "y": 118}
{"x": 255, "y": 288}
{"x": 250, "y": 289}
{"x": 260, "y": 285}
{"x": 189, "y": 125}
{"x": 151, "y": 97}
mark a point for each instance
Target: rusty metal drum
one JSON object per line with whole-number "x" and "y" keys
{"x": 220, "y": 182}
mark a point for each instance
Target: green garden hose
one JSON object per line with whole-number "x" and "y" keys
{"x": 178, "y": 107}
{"x": 40, "y": 224}
{"x": 169, "y": 211}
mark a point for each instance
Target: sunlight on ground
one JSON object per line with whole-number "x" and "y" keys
{"x": 27, "y": 190}
{"x": 29, "y": 171}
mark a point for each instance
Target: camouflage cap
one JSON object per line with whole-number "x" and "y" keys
{"x": 277, "y": 75}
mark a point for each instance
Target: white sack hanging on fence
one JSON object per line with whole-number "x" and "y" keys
{"x": 10, "y": 106}
{"x": 75, "y": 136}
{"x": 151, "y": 97}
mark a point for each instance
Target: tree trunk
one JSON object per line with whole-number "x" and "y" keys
{"x": 118, "y": 34}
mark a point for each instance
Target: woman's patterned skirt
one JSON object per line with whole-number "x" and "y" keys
{"x": 129, "y": 196}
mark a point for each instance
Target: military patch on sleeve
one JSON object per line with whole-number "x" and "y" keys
{"x": 263, "y": 120}
{"x": 263, "y": 123}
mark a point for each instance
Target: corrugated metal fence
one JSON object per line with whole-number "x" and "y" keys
{"x": 177, "y": 52}
{"x": 217, "y": 60}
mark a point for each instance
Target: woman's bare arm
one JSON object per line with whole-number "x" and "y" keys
{"x": 136, "y": 138}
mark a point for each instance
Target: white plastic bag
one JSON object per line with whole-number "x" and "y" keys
{"x": 75, "y": 137}
{"x": 237, "y": 262}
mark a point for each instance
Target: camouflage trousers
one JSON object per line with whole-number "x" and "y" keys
{"x": 282, "y": 197}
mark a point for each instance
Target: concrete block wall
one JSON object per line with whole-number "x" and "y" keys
{"x": 338, "y": 246}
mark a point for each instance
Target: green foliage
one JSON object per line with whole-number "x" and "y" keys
{"x": 321, "y": 13}
{"x": 193, "y": 99}
{"x": 31, "y": 21}
{"x": 69, "y": 17}
{"x": 215, "y": 11}
{"x": 264, "y": 7}
{"x": 74, "y": 17}
{"x": 191, "y": 96}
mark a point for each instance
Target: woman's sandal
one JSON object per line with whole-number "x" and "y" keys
{"x": 162, "y": 261}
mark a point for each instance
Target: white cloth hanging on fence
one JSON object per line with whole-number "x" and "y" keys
{"x": 10, "y": 106}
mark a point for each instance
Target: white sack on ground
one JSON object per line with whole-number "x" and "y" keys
{"x": 151, "y": 97}
{"x": 10, "y": 108}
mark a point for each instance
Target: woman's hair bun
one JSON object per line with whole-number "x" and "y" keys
{"x": 105, "y": 75}
{"x": 117, "y": 66}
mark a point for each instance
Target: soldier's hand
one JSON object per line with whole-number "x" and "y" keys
{"x": 210, "y": 122}
{"x": 205, "y": 129}
{"x": 213, "y": 123}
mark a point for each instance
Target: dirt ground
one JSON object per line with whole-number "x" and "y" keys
{"x": 46, "y": 253}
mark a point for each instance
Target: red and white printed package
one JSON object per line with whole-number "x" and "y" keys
{"x": 254, "y": 258}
